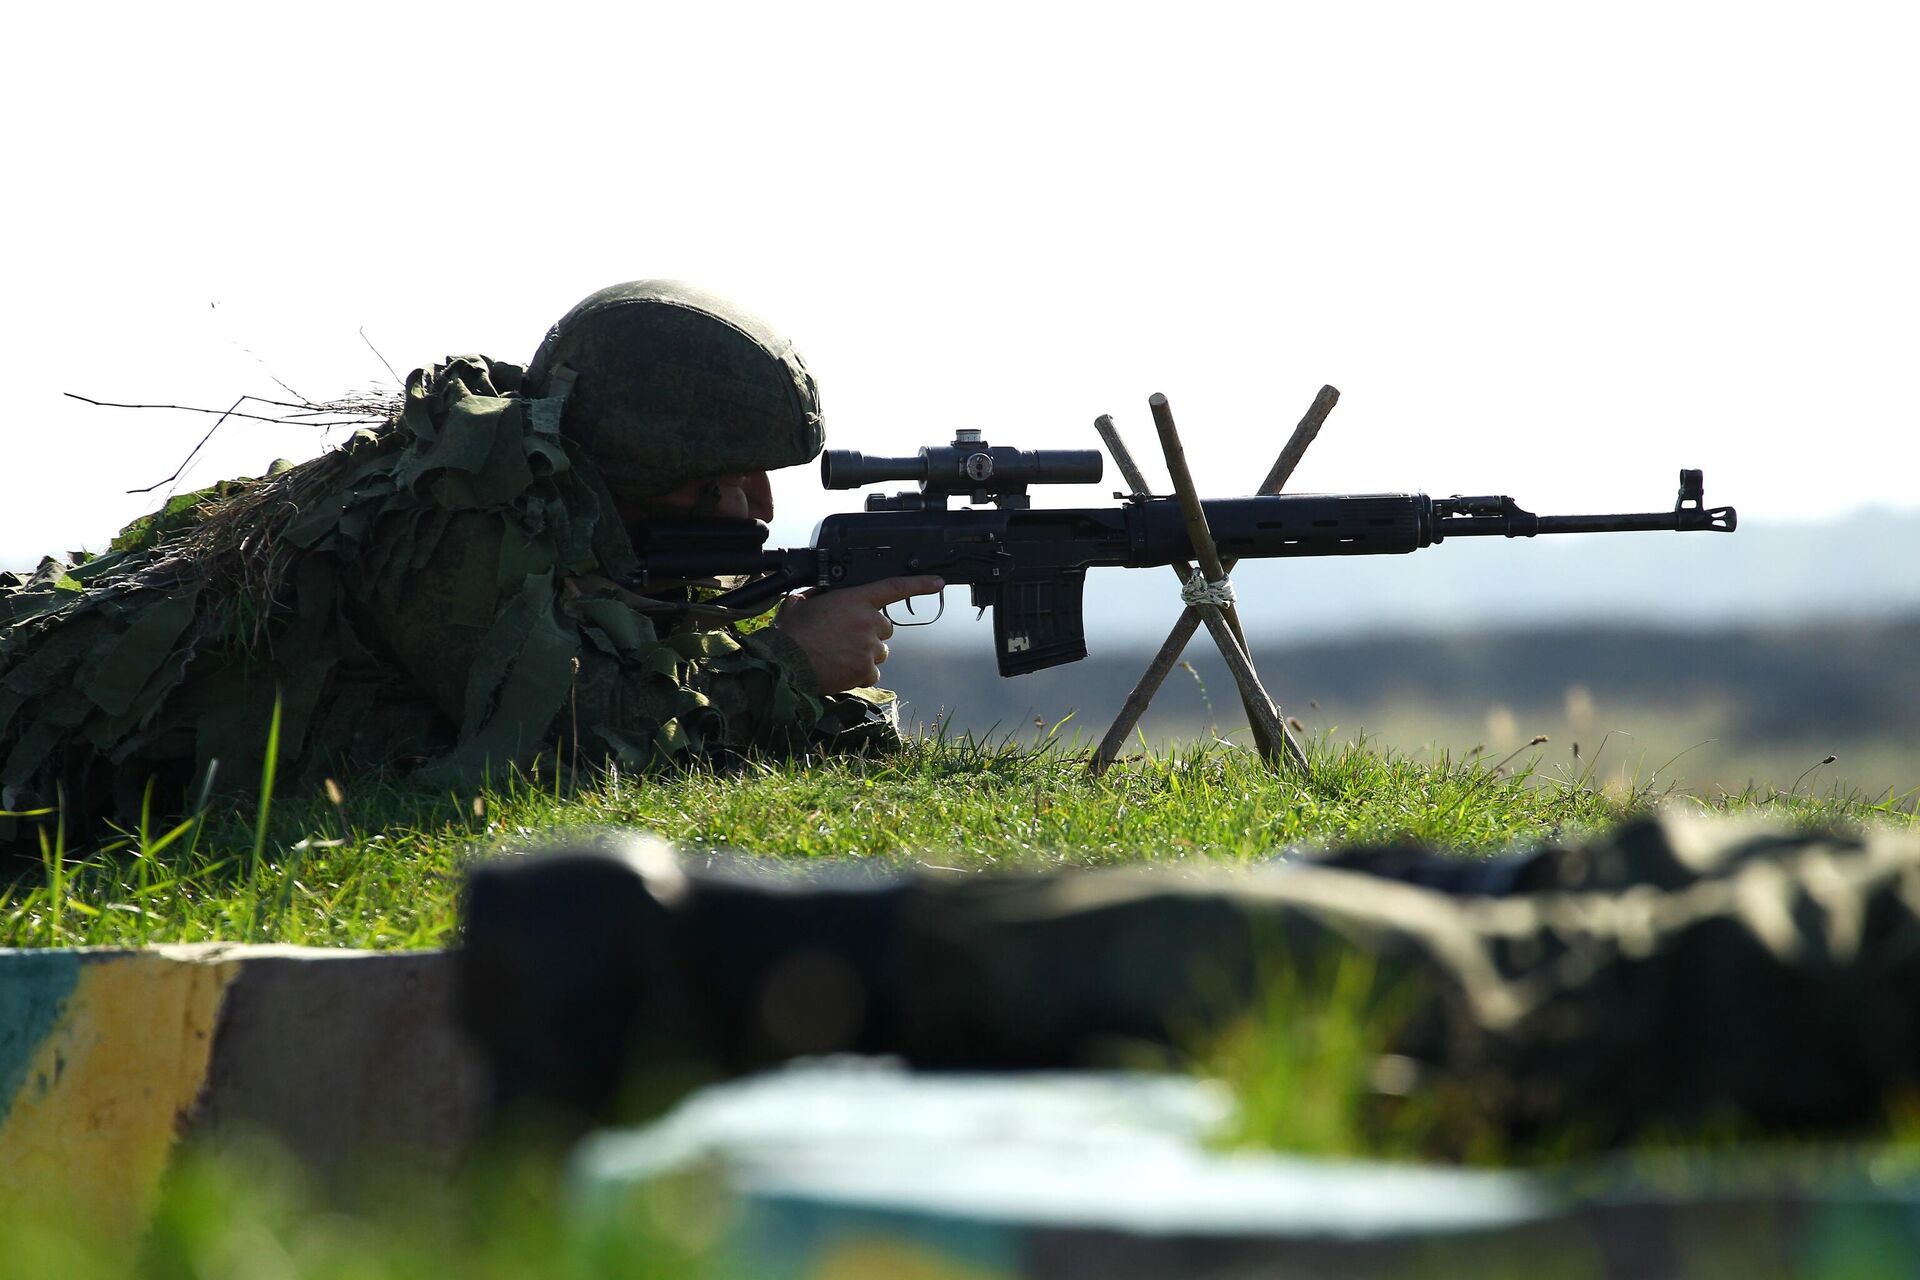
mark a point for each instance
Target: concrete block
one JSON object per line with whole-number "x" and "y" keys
{"x": 110, "y": 1057}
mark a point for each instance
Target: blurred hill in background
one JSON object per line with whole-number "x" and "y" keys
{"x": 1699, "y": 708}
{"x": 1706, "y": 661}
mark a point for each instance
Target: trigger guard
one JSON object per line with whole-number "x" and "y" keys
{"x": 887, "y": 613}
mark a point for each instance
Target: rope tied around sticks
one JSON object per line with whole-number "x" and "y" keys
{"x": 1199, "y": 591}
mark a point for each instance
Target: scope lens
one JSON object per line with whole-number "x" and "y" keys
{"x": 851, "y": 469}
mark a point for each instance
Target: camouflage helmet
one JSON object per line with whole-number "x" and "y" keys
{"x": 669, "y": 383}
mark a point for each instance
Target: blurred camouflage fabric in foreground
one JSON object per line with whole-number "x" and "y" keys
{"x": 1671, "y": 975}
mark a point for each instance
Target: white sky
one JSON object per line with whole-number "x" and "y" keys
{"x": 1551, "y": 250}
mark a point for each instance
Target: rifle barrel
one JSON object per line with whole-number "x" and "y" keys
{"x": 1524, "y": 524}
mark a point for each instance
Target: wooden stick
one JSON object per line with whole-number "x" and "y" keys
{"x": 1270, "y": 731}
{"x": 1182, "y": 572}
{"x": 1303, "y": 435}
{"x": 1122, "y": 456}
{"x": 1177, "y": 639}
{"x": 1269, "y": 735}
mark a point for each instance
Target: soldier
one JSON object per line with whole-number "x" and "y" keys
{"x": 443, "y": 593}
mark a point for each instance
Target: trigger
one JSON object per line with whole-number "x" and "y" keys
{"x": 929, "y": 622}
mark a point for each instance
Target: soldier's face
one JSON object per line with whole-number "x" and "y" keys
{"x": 746, "y": 495}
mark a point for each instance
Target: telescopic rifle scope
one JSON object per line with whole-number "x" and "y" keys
{"x": 985, "y": 473}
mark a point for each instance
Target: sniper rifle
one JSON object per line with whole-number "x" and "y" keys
{"x": 1029, "y": 566}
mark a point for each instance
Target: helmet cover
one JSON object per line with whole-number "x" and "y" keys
{"x": 671, "y": 383}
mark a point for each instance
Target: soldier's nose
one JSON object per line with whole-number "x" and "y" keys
{"x": 759, "y": 491}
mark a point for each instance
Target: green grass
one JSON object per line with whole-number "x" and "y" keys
{"x": 378, "y": 864}
{"x": 249, "y": 1212}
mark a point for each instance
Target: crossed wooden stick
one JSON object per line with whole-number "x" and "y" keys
{"x": 1210, "y": 599}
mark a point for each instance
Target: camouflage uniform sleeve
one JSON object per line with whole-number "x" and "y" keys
{"x": 647, "y": 692}
{"x": 1671, "y": 974}
{"x": 856, "y": 720}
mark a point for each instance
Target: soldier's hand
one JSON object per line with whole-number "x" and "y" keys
{"x": 843, "y": 633}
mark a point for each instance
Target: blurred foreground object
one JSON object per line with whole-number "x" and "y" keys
{"x": 111, "y": 1058}
{"x": 860, "y": 1169}
{"x": 1664, "y": 976}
